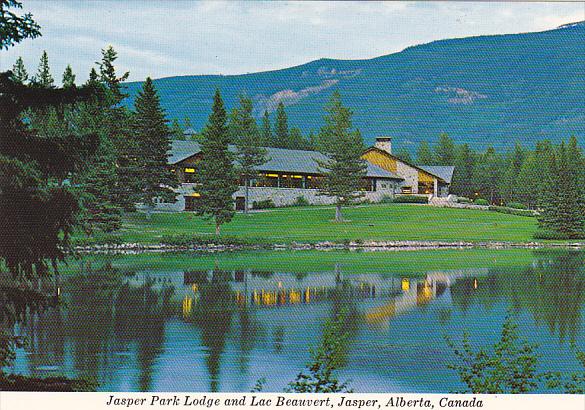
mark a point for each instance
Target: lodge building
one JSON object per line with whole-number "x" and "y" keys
{"x": 291, "y": 174}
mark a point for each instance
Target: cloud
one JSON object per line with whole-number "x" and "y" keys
{"x": 186, "y": 37}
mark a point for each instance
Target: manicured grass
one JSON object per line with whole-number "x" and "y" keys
{"x": 367, "y": 222}
{"x": 412, "y": 262}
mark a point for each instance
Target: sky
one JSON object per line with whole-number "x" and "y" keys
{"x": 168, "y": 38}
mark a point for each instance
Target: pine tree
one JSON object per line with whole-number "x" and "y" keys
{"x": 153, "y": 136}
{"x": 528, "y": 180}
{"x": 187, "y": 123}
{"x": 19, "y": 73}
{"x": 488, "y": 173}
{"x": 508, "y": 181}
{"x": 463, "y": 182}
{"x": 68, "y": 77}
{"x": 281, "y": 128}
{"x": 217, "y": 178}
{"x": 43, "y": 77}
{"x": 404, "y": 155}
{"x": 267, "y": 138}
{"x": 344, "y": 168}
{"x": 249, "y": 153}
{"x": 445, "y": 150}
{"x": 177, "y": 130}
{"x": 109, "y": 77}
{"x": 296, "y": 139}
{"x": 424, "y": 155}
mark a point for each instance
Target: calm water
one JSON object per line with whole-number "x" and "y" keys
{"x": 134, "y": 328}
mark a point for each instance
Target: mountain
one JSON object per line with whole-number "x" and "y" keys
{"x": 485, "y": 90}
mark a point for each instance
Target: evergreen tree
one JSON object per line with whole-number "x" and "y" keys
{"x": 267, "y": 138}
{"x": 177, "y": 130}
{"x": 249, "y": 153}
{"x": 296, "y": 139}
{"x": 117, "y": 120}
{"x": 153, "y": 136}
{"x": 463, "y": 182}
{"x": 43, "y": 77}
{"x": 68, "y": 77}
{"x": 281, "y": 128}
{"x": 528, "y": 181}
{"x": 187, "y": 123}
{"x": 562, "y": 202}
{"x": 217, "y": 178}
{"x": 487, "y": 175}
{"x": 312, "y": 141}
{"x": 403, "y": 154}
{"x": 19, "y": 73}
{"x": 424, "y": 155}
{"x": 344, "y": 168}
{"x": 508, "y": 181}
{"x": 445, "y": 150}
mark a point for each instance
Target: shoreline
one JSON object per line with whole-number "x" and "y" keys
{"x": 367, "y": 246}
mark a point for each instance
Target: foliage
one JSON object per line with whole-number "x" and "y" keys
{"x": 15, "y": 28}
{"x": 43, "y": 78}
{"x": 153, "y": 138}
{"x": 263, "y": 204}
{"x": 19, "y": 73}
{"x": 542, "y": 233}
{"x": 481, "y": 201}
{"x": 68, "y": 77}
{"x": 445, "y": 150}
{"x": 570, "y": 384}
{"x": 280, "y": 136}
{"x": 512, "y": 211}
{"x": 344, "y": 168}
{"x": 319, "y": 375}
{"x": 266, "y": 134}
{"x": 249, "y": 153}
{"x": 516, "y": 205}
{"x": 510, "y": 366}
{"x": 411, "y": 199}
{"x": 50, "y": 384}
{"x": 203, "y": 240}
{"x": 217, "y": 177}
{"x": 425, "y": 155}
{"x": 300, "y": 201}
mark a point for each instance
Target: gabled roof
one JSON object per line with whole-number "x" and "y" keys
{"x": 440, "y": 172}
{"x": 279, "y": 160}
{"x": 443, "y": 172}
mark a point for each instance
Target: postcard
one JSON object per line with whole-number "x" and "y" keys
{"x": 353, "y": 205}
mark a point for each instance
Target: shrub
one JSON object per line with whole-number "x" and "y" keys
{"x": 264, "y": 204}
{"x": 463, "y": 200}
{"x": 516, "y": 205}
{"x": 300, "y": 201}
{"x": 98, "y": 239}
{"x": 387, "y": 199}
{"x": 481, "y": 201}
{"x": 512, "y": 211}
{"x": 411, "y": 199}
{"x": 555, "y": 235}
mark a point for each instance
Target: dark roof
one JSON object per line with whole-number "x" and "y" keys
{"x": 279, "y": 160}
{"x": 443, "y": 172}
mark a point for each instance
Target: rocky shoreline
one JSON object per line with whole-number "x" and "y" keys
{"x": 370, "y": 246}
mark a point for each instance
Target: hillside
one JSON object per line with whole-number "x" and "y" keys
{"x": 482, "y": 90}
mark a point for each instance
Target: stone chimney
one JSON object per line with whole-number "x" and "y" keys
{"x": 384, "y": 143}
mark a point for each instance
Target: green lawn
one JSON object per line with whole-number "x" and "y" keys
{"x": 414, "y": 263}
{"x": 368, "y": 222}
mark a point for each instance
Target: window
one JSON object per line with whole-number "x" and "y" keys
{"x": 314, "y": 182}
{"x": 266, "y": 180}
{"x": 406, "y": 190}
{"x": 426, "y": 188}
{"x": 189, "y": 175}
{"x": 291, "y": 181}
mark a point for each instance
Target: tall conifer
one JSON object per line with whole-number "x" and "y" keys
{"x": 281, "y": 128}
{"x": 43, "y": 77}
{"x": 19, "y": 73}
{"x": 217, "y": 178}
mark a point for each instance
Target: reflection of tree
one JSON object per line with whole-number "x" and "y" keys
{"x": 552, "y": 289}
{"x": 213, "y": 315}
{"x": 141, "y": 313}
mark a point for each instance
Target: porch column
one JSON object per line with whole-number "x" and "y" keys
{"x": 436, "y": 187}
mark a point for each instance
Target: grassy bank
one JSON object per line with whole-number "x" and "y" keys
{"x": 314, "y": 224}
{"x": 412, "y": 262}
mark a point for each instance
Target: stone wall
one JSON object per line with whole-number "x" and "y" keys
{"x": 282, "y": 196}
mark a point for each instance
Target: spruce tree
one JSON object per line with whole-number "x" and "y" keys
{"x": 267, "y": 139}
{"x": 217, "y": 178}
{"x": 344, "y": 168}
{"x": 249, "y": 152}
{"x": 281, "y": 128}
{"x": 19, "y": 73}
{"x": 153, "y": 136}
{"x": 527, "y": 182}
{"x": 445, "y": 150}
{"x": 43, "y": 77}
{"x": 508, "y": 180}
{"x": 109, "y": 77}
{"x": 68, "y": 77}
{"x": 463, "y": 182}
{"x": 404, "y": 155}
{"x": 424, "y": 155}
{"x": 177, "y": 131}
{"x": 488, "y": 172}
{"x": 296, "y": 139}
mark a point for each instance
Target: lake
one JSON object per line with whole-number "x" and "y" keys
{"x": 189, "y": 322}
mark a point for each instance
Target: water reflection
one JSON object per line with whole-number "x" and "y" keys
{"x": 221, "y": 330}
